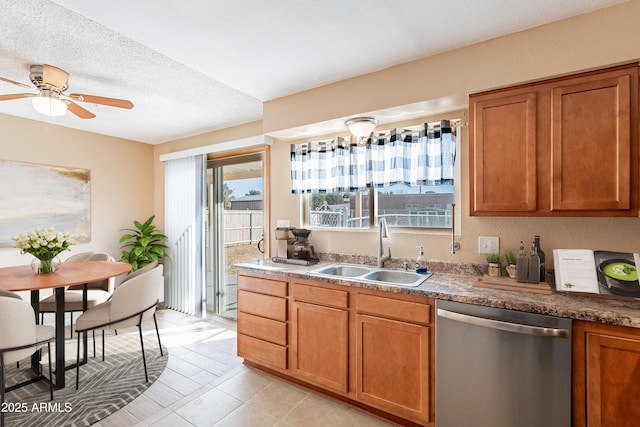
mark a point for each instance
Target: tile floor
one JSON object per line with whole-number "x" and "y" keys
{"x": 206, "y": 384}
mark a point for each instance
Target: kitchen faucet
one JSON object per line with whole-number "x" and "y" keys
{"x": 384, "y": 233}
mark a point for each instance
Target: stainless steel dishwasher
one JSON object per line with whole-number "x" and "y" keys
{"x": 501, "y": 368}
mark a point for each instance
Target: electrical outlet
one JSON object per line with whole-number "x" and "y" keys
{"x": 488, "y": 245}
{"x": 282, "y": 223}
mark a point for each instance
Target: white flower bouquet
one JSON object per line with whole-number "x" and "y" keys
{"x": 44, "y": 244}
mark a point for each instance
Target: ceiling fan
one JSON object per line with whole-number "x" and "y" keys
{"x": 51, "y": 82}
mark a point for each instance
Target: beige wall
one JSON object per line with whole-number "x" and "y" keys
{"x": 585, "y": 42}
{"x": 121, "y": 176}
{"x": 123, "y": 172}
{"x": 606, "y": 37}
{"x": 602, "y": 38}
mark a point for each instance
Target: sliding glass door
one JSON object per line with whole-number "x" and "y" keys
{"x": 235, "y": 226}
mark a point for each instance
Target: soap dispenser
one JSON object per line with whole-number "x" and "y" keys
{"x": 421, "y": 263}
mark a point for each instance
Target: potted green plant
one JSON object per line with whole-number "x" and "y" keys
{"x": 511, "y": 260}
{"x": 143, "y": 245}
{"x": 495, "y": 264}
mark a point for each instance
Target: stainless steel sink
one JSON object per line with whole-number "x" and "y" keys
{"x": 396, "y": 277}
{"x": 344, "y": 270}
{"x": 373, "y": 274}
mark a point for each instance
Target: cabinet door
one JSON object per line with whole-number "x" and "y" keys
{"x": 591, "y": 150}
{"x": 320, "y": 345}
{"x": 613, "y": 381}
{"x": 503, "y": 153}
{"x": 393, "y": 362}
{"x": 606, "y": 375}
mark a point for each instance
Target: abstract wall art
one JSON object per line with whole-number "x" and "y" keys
{"x": 35, "y": 196}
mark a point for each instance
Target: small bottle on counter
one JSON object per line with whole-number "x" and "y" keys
{"x": 421, "y": 263}
{"x": 534, "y": 265}
{"x": 522, "y": 266}
{"x": 536, "y": 241}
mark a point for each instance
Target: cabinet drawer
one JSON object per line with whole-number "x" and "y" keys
{"x": 403, "y": 310}
{"x": 263, "y": 328}
{"x": 261, "y": 351}
{"x": 263, "y": 305}
{"x": 324, "y": 296}
{"x": 263, "y": 286}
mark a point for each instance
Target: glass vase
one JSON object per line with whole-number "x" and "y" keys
{"x": 45, "y": 266}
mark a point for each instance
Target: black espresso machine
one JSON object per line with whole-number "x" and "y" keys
{"x": 293, "y": 246}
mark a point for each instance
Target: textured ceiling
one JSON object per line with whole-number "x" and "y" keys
{"x": 194, "y": 66}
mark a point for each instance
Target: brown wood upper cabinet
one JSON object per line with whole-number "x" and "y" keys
{"x": 561, "y": 147}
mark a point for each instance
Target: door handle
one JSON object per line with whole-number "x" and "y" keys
{"x": 504, "y": 326}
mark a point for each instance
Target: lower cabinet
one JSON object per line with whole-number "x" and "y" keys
{"x": 320, "y": 343}
{"x": 262, "y": 321}
{"x": 370, "y": 348}
{"x": 606, "y": 375}
{"x": 394, "y": 356}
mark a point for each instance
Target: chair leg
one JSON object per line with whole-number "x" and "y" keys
{"x": 144, "y": 359}
{"x": 103, "y": 345}
{"x": 94, "y": 343}
{"x": 157, "y": 333}
{"x": 71, "y": 325}
{"x": 77, "y": 363}
{"x": 50, "y": 377}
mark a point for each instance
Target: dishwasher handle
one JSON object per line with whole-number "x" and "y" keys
{"x": 504, "y": 326}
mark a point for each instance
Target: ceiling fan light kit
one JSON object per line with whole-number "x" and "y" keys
{"x": 49, "y": 104}
{"x": 361, "y": 128}
{"x": 51, "y": 82}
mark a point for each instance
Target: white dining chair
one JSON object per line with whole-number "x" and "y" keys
{"x": 20, "y": 337}
{"x": 131, "y": 303}
{"x": 9, "y": 294}
{"x": 97, "y": 292}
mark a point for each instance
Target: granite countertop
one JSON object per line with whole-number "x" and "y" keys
{"x": 453, "y": 282}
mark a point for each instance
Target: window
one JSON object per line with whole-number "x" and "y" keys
{"x": 338, "y": 210}
{"x": 422, "y": 206}
{"x": 403, "y": 175}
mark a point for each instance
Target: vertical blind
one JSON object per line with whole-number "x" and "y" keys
{"x": 184, "y": 200}
{"x": 422, "y": 156}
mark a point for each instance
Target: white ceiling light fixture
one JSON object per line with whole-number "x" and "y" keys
{"x": 361, "y": 128}
{"x": 48, "y": 102}
{"x": 51, "y": 83}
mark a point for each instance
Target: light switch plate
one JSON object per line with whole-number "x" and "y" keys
{"x": 488, "y": 245}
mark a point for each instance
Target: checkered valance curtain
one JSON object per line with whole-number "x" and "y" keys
{"x": 400, "y": 156}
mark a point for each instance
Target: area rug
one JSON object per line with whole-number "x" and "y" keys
{"x": 105, "y": 386}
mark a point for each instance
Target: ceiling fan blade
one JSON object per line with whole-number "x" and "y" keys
{"x": 79, "y": 111}
{"x": 112, "y": 102}
{"x": 54, "y": 76}
{"x": 15, "y": 96}
{"x": 16, "y": 83}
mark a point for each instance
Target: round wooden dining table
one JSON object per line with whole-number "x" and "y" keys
{"x": 22, "y": 278}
